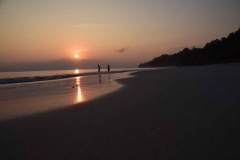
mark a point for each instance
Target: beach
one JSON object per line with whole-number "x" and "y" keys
{"x": 174, "y": 113}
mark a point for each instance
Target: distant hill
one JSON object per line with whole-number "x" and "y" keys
{"x": 226, "y": 50}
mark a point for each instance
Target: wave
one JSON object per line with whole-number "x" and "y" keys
{"x": 55, "y": 77}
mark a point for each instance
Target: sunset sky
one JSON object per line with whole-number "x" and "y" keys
{"x": 125, "y": 32}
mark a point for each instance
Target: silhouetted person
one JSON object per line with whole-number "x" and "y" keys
{"x": 99, "y": 68}
{"x": 108, "y": 68}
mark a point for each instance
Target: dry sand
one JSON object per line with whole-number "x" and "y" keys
{"x": 177, "y": 113}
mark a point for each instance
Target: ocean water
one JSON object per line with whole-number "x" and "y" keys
{"x": 31, "y": 76}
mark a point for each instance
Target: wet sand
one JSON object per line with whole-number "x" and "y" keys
{"x": 21, "y": 99}
{"x": 177, "y": 113}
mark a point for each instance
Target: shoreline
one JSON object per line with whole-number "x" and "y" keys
{"x": 176, "y": 113}
{"x": 17, "y": 100}
{"x": 44, "y": 76}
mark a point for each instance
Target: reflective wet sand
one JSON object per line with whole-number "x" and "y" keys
{"x": 21, "y": 99}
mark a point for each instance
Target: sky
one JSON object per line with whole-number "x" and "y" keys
{"x": 122, "y": 33}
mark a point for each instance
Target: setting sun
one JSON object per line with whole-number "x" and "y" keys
{"x": 76, "y": 71}
{"x": 76, "y": 56}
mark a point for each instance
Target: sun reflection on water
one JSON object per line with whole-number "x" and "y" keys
{"x": 79, "y": 93}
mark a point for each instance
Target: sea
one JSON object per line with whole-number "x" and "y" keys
{"x": 32, "y": 76}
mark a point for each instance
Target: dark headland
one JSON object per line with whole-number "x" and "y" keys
{"x": 176, "y": 113}
{"x": 225, "y": 50}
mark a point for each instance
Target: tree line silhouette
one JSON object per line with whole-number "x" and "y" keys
{"x": 226, "y": 50}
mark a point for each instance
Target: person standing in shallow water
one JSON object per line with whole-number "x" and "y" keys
{"x": 99, "y": 68}
{"x": 108, "y": 68}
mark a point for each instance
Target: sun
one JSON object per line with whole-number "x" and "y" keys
{"x": 76, "y": 71}
{"x": 76, "y": 55}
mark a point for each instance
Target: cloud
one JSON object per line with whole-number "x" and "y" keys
{"x": 121, "y": 50}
